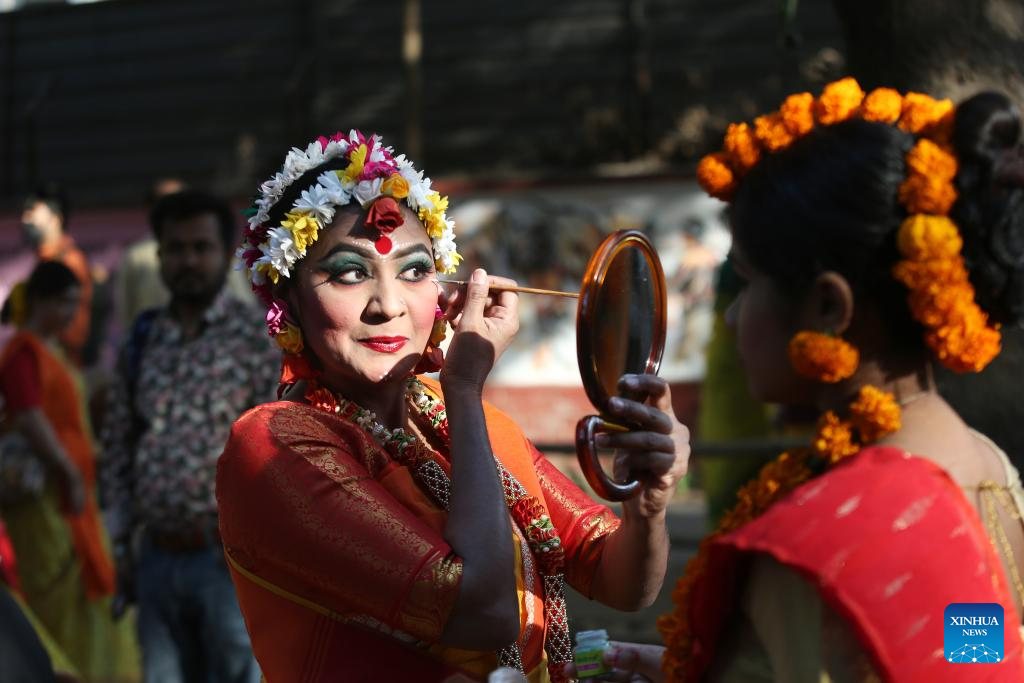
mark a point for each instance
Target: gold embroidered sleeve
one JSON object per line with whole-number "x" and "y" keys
{"x": 582, "y": 523}
{"x": 304, "y": 514}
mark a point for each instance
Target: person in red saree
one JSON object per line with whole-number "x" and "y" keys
{"x": 877, "y": 233}
{"x": 381, "y": 526}
{"x": 62, "y": 557}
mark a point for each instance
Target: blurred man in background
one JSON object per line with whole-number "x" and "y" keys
{"x": 43, "y": 221}
{"x": 186, "y": 372}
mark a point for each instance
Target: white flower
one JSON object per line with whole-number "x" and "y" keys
{"x": 240, "y": 257}
{"x": 335, "y": 148}
{"x": 283, "y": 253}
{"x": 376, "y": 153}
{"x": 367, "y": 190}
{"x": 331, "y": 184}
{"x": 317, "y": 201}
{"x": 295, "y": 162}
{"x": 418, "y": 191}
{"x": 314, "y": 154}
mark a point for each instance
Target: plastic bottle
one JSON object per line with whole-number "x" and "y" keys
{"x": 589, "y": 653}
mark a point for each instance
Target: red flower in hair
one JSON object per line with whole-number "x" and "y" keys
{"x": 384, "y": 215}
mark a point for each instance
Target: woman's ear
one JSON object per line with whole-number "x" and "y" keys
{"x": 287, "y": 292}
{"x": 828, "y": 305}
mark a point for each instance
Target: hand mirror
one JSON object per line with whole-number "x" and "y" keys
{"x": 620, "y": 329}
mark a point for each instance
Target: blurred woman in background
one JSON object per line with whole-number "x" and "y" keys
{"x": 64, "y": 565}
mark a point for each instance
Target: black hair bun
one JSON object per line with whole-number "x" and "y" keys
{"x": 990, "y": 208}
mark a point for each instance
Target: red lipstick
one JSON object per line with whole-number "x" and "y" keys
{"x": 384, "y": 344}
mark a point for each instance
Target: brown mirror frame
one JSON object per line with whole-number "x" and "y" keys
{"x": 588, "y": 427}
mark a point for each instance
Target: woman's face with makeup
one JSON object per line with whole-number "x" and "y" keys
{"x": 366, "y": 316}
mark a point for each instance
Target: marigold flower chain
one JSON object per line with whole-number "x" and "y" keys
{"x": 941, "y": 297}
{"x": 873, "y": 414}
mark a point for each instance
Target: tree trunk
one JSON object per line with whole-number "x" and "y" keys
{"x": 951, "y": 48}
{"x": 947, "y": 48}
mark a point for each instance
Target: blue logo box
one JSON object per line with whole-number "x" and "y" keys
{"x": 974, "y": 632}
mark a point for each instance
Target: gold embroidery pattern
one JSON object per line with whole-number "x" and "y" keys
{"x": 353, "y": 527}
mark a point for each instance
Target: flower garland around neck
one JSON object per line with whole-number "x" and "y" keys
{"x": 526, "y": 510}
{"x": 940, "y": 298}
{"x": 365, "y": 172}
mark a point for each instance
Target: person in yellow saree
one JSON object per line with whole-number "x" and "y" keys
{"x": 63, "y": 561}
{"x": 381, "y": 526}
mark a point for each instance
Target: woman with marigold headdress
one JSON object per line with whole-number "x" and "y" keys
{"x": 877, "y": 234}
{"x": 380, "y": 526}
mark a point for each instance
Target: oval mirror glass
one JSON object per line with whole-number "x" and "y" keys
{"x": 620, "y": 329}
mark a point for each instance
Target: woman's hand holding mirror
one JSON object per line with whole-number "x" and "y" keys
{"x": 656, "y": 449}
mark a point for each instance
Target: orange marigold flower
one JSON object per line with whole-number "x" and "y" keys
{"x": 798, "y": 113}
{"x": 834, "y": 439}
{"x": 741, "y": 145}
{"x": 924, "y": 194}
{"x": 928, "y": 159}
{"x": 716, "y": 176}
{"x": 822, "y": 357}
{"x": 966, "y": 348}
{"x": 935, "y": 306}
{"x": 875, "y": 413}
{"x": 883, "y": 105}
{"x": 922, "y": 237}
{"x": 838, "y": 101}
{"x": 923, "y": 114}
{"x": 937, "y": 273}
{"x": 770, "y": 130}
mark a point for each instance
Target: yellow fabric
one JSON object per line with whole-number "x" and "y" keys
{"x": 60, "y": 661}
{"x": 99, "y": 648}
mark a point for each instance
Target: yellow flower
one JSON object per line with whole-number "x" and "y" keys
{"x": 438, "y": 332}
{"x": 304, "y": 229}
{"x": 395, "y": 186}
{"x": 432, "y": 216}
{"x": 838, "y": 101}
{"x": 269, "y": 272}
{"x": 741, "y": 145}
{"x": 716, "y": 177}
{"x": 433, "y": 222}
{"x": 290, "y": 339}
{"x": 798, "y": 113}
{"x": 923, "y": 237}
{"x": 440, "y": 203}
{"x": 883, "y": 105}
{"x": 356, "y": 162}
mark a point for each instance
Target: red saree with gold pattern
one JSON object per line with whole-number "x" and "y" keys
{"x": 338, "y": 557}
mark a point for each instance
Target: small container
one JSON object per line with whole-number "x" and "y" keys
{"x": 589, "y": 653}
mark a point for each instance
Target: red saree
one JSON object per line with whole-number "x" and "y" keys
{"x": 338, "y": 557}
{"x": 888, "y": 540}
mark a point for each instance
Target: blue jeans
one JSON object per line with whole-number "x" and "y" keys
{"x": 190, "y": 626}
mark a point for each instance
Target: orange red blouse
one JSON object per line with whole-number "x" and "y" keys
{"x": 889, "y": 541}
{"x": 339, "y": 559}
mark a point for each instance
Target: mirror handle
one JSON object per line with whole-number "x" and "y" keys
{"x": 586, "y": 452}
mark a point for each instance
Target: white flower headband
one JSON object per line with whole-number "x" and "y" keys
{"x": 371, "y": 175}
